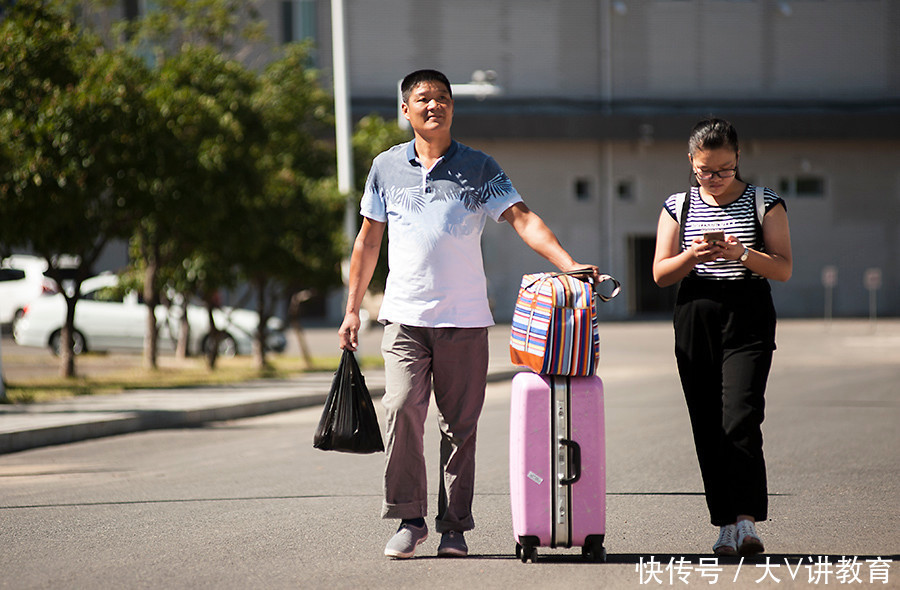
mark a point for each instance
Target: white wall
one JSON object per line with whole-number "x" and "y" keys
{"x": 854, "y": 226}
{"x": 702, "y": 51}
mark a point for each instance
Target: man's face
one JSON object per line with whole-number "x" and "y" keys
{"x": 429, "y": 108}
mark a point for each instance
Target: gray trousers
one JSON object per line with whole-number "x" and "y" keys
{"x": 455, "y": 360}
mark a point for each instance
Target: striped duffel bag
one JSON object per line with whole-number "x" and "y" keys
{"x": 554, "y": 326}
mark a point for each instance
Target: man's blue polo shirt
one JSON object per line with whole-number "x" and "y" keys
{"x": 434, "y": 222}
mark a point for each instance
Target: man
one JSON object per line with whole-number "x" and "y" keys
{"x": 434, "y": 195}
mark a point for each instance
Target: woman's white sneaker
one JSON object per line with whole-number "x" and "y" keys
{"x": 726, "y": 545}
{"x": 748, "y": 541}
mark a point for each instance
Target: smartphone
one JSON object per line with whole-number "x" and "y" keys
{"x": 714, "y": 236}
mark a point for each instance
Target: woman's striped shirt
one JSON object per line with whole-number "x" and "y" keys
{"x": 737, "y": 219}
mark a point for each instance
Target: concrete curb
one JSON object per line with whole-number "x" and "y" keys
{"x": 11, "y": 442}
{"x": 86, "y": 423}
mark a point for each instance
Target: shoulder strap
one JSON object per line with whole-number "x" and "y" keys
{"x": 760, "y": 201}
{"x": 679, "y": 203}
{"x": 682, "y": 204}
{"x": 760, "y": 204}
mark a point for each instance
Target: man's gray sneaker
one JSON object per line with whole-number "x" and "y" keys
{"x": 453, "y": 544}
{"x": 404, "y": 542}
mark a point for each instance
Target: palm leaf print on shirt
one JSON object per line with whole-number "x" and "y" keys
{"x": 471, "y": 198}
{"x": 409, "y": 198}
{"x": 498, "y": 185}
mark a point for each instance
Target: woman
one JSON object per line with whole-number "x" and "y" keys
{"x": 723, "y": 240}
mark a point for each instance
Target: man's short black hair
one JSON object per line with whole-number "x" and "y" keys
{"x": 414, "y": 79}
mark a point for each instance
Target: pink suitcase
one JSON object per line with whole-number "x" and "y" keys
{"x": 557, "y": 464}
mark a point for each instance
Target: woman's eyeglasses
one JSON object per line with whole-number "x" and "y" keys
{"x": 727, "y": 173}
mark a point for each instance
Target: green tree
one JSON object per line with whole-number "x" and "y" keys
{"x": 297, "y": 216}
{"x": 71, "y": 117}
{"x": 232, "y": 221}
{"x": 228, "y": 27}
{"x": 202, "y": 93}
{"x": 208, "y": 102}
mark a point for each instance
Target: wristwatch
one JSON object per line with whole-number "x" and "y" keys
{"x": 745, "y": 255}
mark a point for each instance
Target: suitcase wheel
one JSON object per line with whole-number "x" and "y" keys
{"x": 526, "y": 552}
{"x": 594, "y": 550}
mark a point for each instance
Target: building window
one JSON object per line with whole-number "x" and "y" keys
{"x": 810, "y": 186}
{"x": 625, "y": 190}
{"x": 298, "y": 20}
{"x": 134, "y": 9}
{"x": 131, "y": 9}
{"x": 805, "y": 186}
{"x": 582, "y": 189}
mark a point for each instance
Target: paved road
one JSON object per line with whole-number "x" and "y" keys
{"x": 248, "y": 503}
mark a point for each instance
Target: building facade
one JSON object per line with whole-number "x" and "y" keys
{"x": 598, "y": 98}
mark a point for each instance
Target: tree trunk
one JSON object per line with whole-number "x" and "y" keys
{"x": 2, "y": 382}
{"x": 212, "y": 350}
{"x": 151, "y": 298}
{"x": 183, "y": 347}
{"x": 71, "y": 292}
{"x": 66, "y": 355}
{"x": 294, "y": 320}
{"x": 259, "y": 346}
{"x": 151, "y": 339}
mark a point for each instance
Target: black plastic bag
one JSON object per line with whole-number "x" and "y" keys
{"x": 348, "y": 422}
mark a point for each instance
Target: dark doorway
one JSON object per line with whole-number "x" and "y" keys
{"x": 648, "y": 299}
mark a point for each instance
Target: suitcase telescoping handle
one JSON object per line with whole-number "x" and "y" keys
{"x": 574, "y": 462}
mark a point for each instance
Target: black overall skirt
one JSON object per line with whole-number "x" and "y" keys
{"x": 724, "y": 340}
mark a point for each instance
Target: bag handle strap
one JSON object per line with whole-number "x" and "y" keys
{"x": 617, "y": 286}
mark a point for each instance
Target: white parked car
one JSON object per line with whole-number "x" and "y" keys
{"x": 22, "y": 281}
{"x": 109, "y": 318}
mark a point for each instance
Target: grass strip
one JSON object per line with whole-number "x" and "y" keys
{"x": 172, "y": 373}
